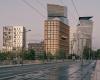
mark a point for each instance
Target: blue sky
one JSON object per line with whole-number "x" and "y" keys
{"x": 15, "y": 12}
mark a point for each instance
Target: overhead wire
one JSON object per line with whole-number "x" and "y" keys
{"x": 75, "y": 8}
{"x": 64, "y": 3}
{"x": 59, "y": 1}
{"x": 35, "y": 9}
{"x": 42, "y": 5}
{"x": 28, "y": 4}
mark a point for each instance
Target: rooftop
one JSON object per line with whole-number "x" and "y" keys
{"x": 85, "y": 18}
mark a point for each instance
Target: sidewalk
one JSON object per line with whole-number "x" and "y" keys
{"x": 96, "y": 75}
{"x": 40, "y": 62}
{"x": 15, "y": 65}
{"x": 36, "y": 62}
{"x": 3, "y": 66}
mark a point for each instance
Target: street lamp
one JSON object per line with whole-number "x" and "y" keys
{"x": 28, "y": 30}
{"x": 25, "y": 44}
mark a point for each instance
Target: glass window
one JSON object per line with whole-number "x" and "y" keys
{"x": 52, "y": 32}
{"x": 52, "y": 41}
{"x": 52, "y": 27}
{"x": 49, "y": 37}
{"x": 49, "y": 31}
{"x": 48, "y": 22}
{"x": 49, "y": 28}
{"x": 52, "y": 22}
{"x": 52, "y": 36}
{"x": 55, "y": 28}
{"x": 55, "y": 36}
{"x": 49, "y": 41}
{"x": 55, "y": 42}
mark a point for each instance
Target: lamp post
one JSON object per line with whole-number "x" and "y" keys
{"x": 23, "y": 47}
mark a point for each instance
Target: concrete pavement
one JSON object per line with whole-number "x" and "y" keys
{"x": 96, "y": 73}
{"x": 34, "y": 71}
{"x": 54, "y": 71}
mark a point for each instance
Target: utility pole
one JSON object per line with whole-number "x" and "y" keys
{"x": 23, "y": 49}
{"x": 82, "y": 39}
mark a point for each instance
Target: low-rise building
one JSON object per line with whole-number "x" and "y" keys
{"x": 37, "y": 47}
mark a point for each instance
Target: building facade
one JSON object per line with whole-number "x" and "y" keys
{"x": 56, "y": 37}
{"x": 14, "y": 38}
{"x": 56, "y": 30}
{"x": 37, "y": 47}
{"x": 57, "y": 11}
{"x": 72, "y": 40}
{"x": 83, "y": 35}
{"x": 85, "y": 30}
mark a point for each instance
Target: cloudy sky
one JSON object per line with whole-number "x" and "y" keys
{"x": 16, "y": 12}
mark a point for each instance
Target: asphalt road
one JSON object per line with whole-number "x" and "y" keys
{"x": 52, "y": 71}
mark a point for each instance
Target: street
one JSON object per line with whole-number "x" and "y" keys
{"x": 51, "y": 71}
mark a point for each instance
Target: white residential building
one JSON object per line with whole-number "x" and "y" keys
{"x": 84, "y": 34}
{"x": 13, "y": 38}
{"x": 72, "y": 40}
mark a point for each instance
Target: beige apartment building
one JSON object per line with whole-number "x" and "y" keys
{"x": 56, "y": 37}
